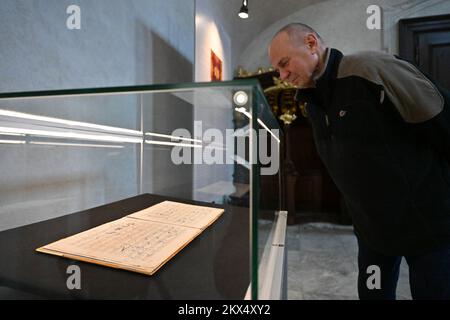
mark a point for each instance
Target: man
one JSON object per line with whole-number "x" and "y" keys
{"x": 382, "y": 129}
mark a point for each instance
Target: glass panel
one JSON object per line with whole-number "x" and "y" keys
{"x": 65, "y": 154}
{"x": 75, "y": 159}
{"x": 267, "y": 186}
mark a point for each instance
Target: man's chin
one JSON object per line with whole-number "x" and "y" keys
{"x": 300, "y": 85}
{"x": 296, "y": 84}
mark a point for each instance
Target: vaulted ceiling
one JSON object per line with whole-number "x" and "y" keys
{"x": 262, "y": 14}
{"x": 336, "y": 19}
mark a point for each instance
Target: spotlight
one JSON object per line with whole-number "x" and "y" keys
{"x": 240, "y": 98}
{"x": 243, "y": 13}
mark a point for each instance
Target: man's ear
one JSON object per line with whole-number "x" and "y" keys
{"x": 311, "y": 41}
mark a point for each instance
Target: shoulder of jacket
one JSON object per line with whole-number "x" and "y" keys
{"x": 365, "y": 64}
{"x": 416, "y": 98}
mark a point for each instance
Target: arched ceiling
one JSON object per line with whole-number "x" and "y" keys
{"x": 262, "y": 14}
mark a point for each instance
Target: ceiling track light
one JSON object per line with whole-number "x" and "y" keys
{"x": 243, "y": 13}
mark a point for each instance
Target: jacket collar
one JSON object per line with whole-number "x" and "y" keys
{"x": 324, "y": 79}
{"x": 330, "y": 71}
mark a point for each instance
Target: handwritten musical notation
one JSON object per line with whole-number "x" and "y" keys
{"x": 140, "y": 242}
{"x": 179, "y": 214}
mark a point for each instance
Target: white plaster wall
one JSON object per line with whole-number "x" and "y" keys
{"x": 113, "y": 47}
{"x": 121, "y": 42}
{"x": 211, "y": 34}
{"x": 212, "y": 107}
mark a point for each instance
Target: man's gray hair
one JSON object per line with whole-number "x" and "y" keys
{"x": 294, "y": 30}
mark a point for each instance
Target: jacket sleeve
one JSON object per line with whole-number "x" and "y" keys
{"x": 419, "y": 101}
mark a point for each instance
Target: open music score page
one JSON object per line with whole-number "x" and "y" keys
{"x": 140, "y": 242}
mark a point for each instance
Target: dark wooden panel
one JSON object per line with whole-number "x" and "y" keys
{"x": 426, "y": 43}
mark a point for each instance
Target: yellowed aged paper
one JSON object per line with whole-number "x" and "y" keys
{"x": 180, "y": 214}
{"x": 135, "y": 243}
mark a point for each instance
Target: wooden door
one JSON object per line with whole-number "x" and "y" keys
{"x": 426, "y": 42}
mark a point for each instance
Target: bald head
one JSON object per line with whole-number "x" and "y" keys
{"x": 297, "y": 31}
{"x": 296, "y": 51}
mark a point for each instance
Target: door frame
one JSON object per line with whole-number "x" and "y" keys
{"x": 410, "y": 27}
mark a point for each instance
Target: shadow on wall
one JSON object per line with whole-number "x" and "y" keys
{"x": 159, "y": 62}
{"x": 170, "y": 66}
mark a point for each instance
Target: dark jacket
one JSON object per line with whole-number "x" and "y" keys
{"x": 382, "y": 129}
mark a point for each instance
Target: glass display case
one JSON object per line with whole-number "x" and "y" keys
{"x": 72, "y": 160}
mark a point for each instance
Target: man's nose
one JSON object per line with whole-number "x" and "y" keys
{"x": 284, "y": 75}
